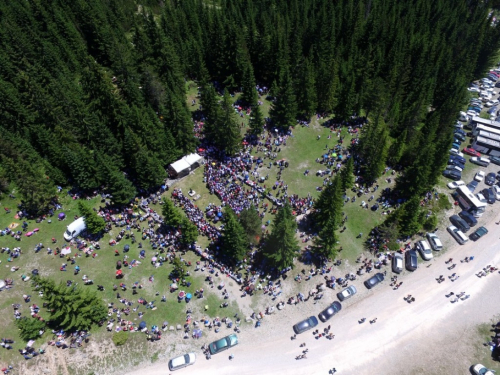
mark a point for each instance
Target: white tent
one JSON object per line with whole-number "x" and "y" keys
{"x": 183, "y": 166}
{"x": 193, "y": 160}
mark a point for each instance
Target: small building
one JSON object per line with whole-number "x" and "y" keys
{"x": 183, "y": 166}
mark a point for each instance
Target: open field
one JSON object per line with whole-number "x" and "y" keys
{"x": 301, "y": 152}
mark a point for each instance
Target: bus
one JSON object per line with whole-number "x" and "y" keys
{"x": 469, "y": 202}
{"x": 486, "y": 130}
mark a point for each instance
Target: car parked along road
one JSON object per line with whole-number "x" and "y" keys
{"x": 347, "y": 293}
{"x": 305, "y": 325}
{"x": 374, "y": 280}
{"x": 330, "y": 311}
{"x": 223, "y": 344}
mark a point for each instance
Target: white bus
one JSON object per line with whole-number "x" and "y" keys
{"x": 468, "y": 201}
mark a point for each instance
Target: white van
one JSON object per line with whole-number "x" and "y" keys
{"x": 463, "y": 116}
{"x": 457, "y": 234}
{"x": 75, "y": 228}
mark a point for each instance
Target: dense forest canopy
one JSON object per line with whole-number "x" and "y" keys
{"x": 92, "y": 92}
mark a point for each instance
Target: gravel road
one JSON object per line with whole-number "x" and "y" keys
{"x": 430, "y": 335}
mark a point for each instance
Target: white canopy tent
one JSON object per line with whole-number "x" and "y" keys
{"x": 185, "y": 165}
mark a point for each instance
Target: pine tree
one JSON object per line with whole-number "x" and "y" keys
{"x": 71, "y": 309}
{"x": 234, "y": 243}
{"x": 397, "y": 149}
{"x": 189, "y": 232}
{"x": 95, "y": 224}
{"x": 325, "y": 244}
{"x": 122, "y": 191}
{"x": 249, "y": 95}
{"x": 35, "y": 188}
{"x": 347, "y": 175}
{"x": 329, "y": 204}
{"x": 408, "y": 216}
{"x": 29, "y": 328}
{"x": 306, "y": 90}
{"x": 251, "y": 223}
{"x": 282, "y": 246}
{"x": 228, "y": 131}
{"x": 211, "y": 109}
{"x": 256, "y": 123}
{"x": 171, "y": 215}
{"x": 283, "y": 111}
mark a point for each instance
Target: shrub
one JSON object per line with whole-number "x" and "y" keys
{"x": 120, "y": 338}
{"x": 431, "y": 223}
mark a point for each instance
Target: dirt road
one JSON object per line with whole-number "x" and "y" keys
{"x": 424, "y": 336}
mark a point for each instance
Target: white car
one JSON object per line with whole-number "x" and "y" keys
{"x": 473, "y": 89}
{"x": 479, "y": 176}
{"x": 480, "y": 160}
{"x": 479, "y": 369}
{"x": 425, "y": 250}
{"x": 489, "y": 103}
{"x": 471, "y": 114}
{"x": 454, "y": 151}
{"x": 496, "y": 189}
{"x": 181, "y": 361}
{"x": 434, "y": 241}
{"x": 347, "y": 293}
{"x": 455, "y": 184}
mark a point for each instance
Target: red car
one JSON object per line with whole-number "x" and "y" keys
{"x": 470, "y": 151}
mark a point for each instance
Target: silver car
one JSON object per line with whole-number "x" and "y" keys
{"x": 434, "y": 241}
{"x": 181, "y": 361}
{"x": 397, "y": 263}
{"x": 347, "y": 293}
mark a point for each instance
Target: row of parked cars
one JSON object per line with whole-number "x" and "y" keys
{"x": 327, "y": 313}
{"x": 214, "y": 348}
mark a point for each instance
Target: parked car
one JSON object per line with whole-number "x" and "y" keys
{"x": 455, "y": 184}
{"x": 481, "y": 198}
{"x": 482, "y": 161}
{"x": 479, "y": 369}
{"x": 472, "y": 186}
{"x": 468, "y": 218}
{"x": 457, "y": 234}
{"x": 471, "y": 151}
{"x": 479, "y": 176}
{"x": 455, "y": 151}
{"x": 374, "y": 280}
{"x": 424, "y": 250}
{"x": 453, "y": 175}
{"x": 305, "y": 325}
{"x": 181, "y": 361}
{"x": 479, "y": 232}
{"x": 434, "y": 241}
{"x": 460, "y": 137}
{"x": 495, "y": 160}
{"x": 452, "y": 167}
{"x": 490, "y": 195}
{"x": 496, "y": 189}
{"x": 490, "y": 179}
{"x": 473, "y": 89}
{"x": 461, "y": 159}
{"x": 330, "y": 311}
{"x": 397, "y": 263}
{"x": 411, "y": 261}
{"x": 347, "y": 293}
{"x": 459, "y": 223}
{"x": 225, "y": 343}
{"x": 457, "y": 163}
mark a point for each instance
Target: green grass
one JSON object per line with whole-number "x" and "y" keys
{"x": 483, "y": 355}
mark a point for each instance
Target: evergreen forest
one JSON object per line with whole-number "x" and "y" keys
{"x": 93, "y": 92}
